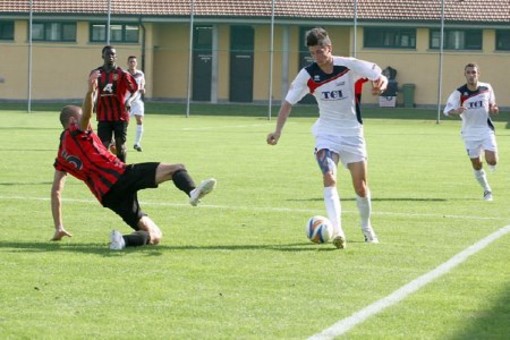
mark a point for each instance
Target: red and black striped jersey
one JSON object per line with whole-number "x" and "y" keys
{"x": 82, "y": 155}
{"x": 113, "y": 89}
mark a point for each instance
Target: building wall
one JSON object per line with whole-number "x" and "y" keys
{"x": 171, "y": 54}
{"x": 59, "y": 70}
{"x": 421, "y": 67}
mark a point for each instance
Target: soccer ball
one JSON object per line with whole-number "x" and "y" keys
{"x": 319, "y": 229}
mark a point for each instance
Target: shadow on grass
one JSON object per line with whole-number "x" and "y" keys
{"x": 489, "y": 324}
{"x": 376, "y": 199}
{"x": 21, "y": 183}
{"x": 103, "y": 250}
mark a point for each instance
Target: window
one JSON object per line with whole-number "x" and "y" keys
{"x": 118, "y": 33}
{"x": 53, "y": 31}
{"x": 503, "y": 40}
{"x": 6, "y": 30}
{"x": 382, "y": 37}
{"x": 457, "y": 39}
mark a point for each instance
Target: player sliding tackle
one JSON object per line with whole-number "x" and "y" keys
{"x": 114, "y": 183}
{"x": 336, "y": 83}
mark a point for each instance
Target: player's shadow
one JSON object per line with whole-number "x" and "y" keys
{"x": 25, "y": 183}
{"x": 51, "y": 246}
{"x": 375, "y": 199}
{"x": 101, "y": 249}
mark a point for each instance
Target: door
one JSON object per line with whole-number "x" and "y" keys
{"x": 241, "y": 64}
{"x": 202, "y": 63}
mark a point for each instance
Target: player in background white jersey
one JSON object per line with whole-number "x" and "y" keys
{"x": 474, "y": 102}
{"x": 135, "y": 104}
{"x": 336, "y": 83}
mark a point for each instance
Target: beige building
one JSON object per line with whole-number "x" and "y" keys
{"x": 248, "y": 50}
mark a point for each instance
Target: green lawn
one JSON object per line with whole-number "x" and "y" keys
{"x": 239, "y": 266}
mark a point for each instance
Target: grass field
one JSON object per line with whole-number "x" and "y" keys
{"x": 239, "y": 266}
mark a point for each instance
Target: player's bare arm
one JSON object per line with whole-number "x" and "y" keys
{"x": 56, "y": 205}
{"x": 88, "y": 102}
{"x": 273, "y": 137}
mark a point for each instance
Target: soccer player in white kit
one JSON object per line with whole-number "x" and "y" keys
{"x": 474, "y": 102}
{"x": 135, "y": 103}
{"x": 336, "y": 83}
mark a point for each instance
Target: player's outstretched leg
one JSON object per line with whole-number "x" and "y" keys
{"x": 203, "y": 189}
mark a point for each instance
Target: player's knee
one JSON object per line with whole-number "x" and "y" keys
{"x": 177, "y": 167}
{"x": 361, "y": 189}
{"x": 155, "y": 234}
{"x": 329, "y": 179}
{"x": 154, "y": 240}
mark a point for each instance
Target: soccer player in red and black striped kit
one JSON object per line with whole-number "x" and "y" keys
{"x": 115, "y": 91}
{"x": 114, "y": 183}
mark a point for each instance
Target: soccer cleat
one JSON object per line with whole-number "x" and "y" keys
{"x": 117, "y": 241}
{"x": 203, "y": 189}
{"x": 370, "y": 236}
{"x": 487, "y": 196}
{"x": 339, "y": 242}
{"x": 137, "y": 148}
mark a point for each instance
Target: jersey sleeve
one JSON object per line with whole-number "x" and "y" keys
{"x": 452, "y": 103}
{"x": 58, "y": 166}
{"x": 492, "y": 97}
{"x": 299, "y": 87}
{"x": 365, "y": 69}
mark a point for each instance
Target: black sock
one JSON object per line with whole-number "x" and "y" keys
{"x": 183, "y": 181}
{"x": 137, "y": 238}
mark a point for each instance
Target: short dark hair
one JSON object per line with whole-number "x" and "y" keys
{"x": 132, "y": 57}
{"x": 67, "y": 112}
{"x": 471, "y": 65}
{"x": 317, "y": 36}
{"x": 107, "y": 47}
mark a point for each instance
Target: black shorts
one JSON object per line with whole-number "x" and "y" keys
{"x": 122, "y": 197}
{"x": 106, "y": 130}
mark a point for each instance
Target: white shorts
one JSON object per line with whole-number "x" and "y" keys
{"x": 351, "y": 149}
{"x": 475, "y": 148}
{"x": 137, "y": 108}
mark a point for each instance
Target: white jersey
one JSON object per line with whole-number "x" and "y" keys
{"x": 476, "y": 122}
{"x": 338, "y": 94}
{"x": 140, "y": 81}
{"x": 137, "y": 106}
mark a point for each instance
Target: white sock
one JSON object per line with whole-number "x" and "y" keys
{"x": 139, "y": 133}
{"x": 334, "y": 209}
{"x": 481, "y": 177}
{"x": 365, "y": 209}
{"x": 492, "y": 168}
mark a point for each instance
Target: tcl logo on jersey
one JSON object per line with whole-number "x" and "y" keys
{"x": 332, "y": 95}
{"x": 475, "y": 105}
